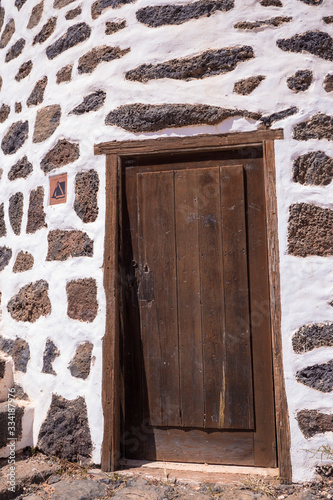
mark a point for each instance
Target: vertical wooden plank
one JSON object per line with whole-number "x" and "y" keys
{"x": 281, "y": 405}
{"x": 238, "y": 396}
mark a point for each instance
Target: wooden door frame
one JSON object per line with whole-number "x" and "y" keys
{"x": 114, "y": 152}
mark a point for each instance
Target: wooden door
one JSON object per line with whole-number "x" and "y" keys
{"x": 197, "y": 368}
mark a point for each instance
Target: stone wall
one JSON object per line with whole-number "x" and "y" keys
{"x": 74, "y": 73}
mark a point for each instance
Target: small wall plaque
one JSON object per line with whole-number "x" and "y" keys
{"x": 58, "y": 189}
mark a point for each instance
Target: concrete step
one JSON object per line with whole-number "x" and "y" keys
{"x": 6, "y": 376}
{"x": 15, "y": 438}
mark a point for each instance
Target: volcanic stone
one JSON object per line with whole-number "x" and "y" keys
{"x": 86, "y": 189}
{"x": 36, "y": 15}
{"x": 113, "y": 26}
{"x": 21, "y": 169}
{"x": 3, "y": 230}
{"x": 274, "y": 21}
{"x": 46, "y": 31}
{"x": 15, "y": 137}
{"x": 15, "y": 50}
{"x": 5, "y": 256}
{"x": 319, "y": 377}
{"x": 24, "y": 70}
{"x": 247, "y": 85}
{"x": 65, "y": 74}
{"x": 310, "y": 230}
{"x": 91, "y": 102}
{"x": 328, "y": 83}
{"x": 328, "y": 19}
{"x": 71, "y": 14}
{"x": 37, "y": 94}
{"x": 4, "y": 112}
{"x": 47, "y": 121}
{"x": 82, "y": 299}
{"x": 312, "y": 2}
{"x": 209, "y": 63}
{"x": 65, "y": 244}
{"x": 24, "y": 262}
{"x": 98, "y": 7}
{"x": 313, "y": 422}
{"x": 271, "y": 3}
{"x": 19, "y": 393}
{"x": 65, "y": 432}
{"x": 0, "y": 83}
{"x": 320, "y": 126}
{"x": 74, "y": 35}
{"x": 15, "y": 212}
{"x": 59, "y": 4}
{"x": 317, "y": 43}
{"x": 19, "y": 4}
{"x": 159, "y": 15}
{"x": 36, "y": 214}
{"x": 50, "y": 353}
{"x": 2, "y": 16}
{"x": 311, "y": 336}
{"x": 18, "y": 107}
{"x": 80, "y": 488}
{"x": 7, "y": 33}
{"x": 315, "y": 168}
{"x": 31, "y": 302}
{"x": 280, "y": 115}
{"x": 63, "y": 153}
{"x": 149, "y": 118}
{"x": 89, "y": 61}
{"x": 300, "y": 81}
{"x": 80, "y": 364}
{"x": 19, "y": 350}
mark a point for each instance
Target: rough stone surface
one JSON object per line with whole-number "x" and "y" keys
{"x": 317, "y": 43}
{"x": 36, "y": 214}
{"x": 63, "y": 153}
{"x": 313, "y": 422}
{"x": 50, "y": 353}
{"x": 271, "y": 3}
{"x": 0, "y": 83}
{"x": 311, "y": 336}
{"x": 71, "y": 14}
{"x": 300, "y": 81}
{"x": 15, "y": 137}
{"x": 209, "y": 63}
{"x": 86, "y": 189}
{"x": 19, "y": 4}
{"x": 312, "y": 2}
{"x": 15, "y": 50}
{"x": 310, "y": 230}
{"x": 159, "y": 15}
{"x": 65, "y": 74}
{"x": 89, "y": 61}
{"x": 65, "y": 244}
{"x": 21, "y": 169}
{"x": 7, "y": 33}
{"x": 328, "y": 19}
{"x": 18, "y": 349}
{"x": 24, "y": 262}
{"x": 20, "y": 394}
{"x": 319, "y": 377}
{"x": 37, "y": 94}
{"x": 65, "y": 430}
{"x": 5, "y": 256}
{"x": 82, "y": 299}
{"x": 4, "y": 112}
{"x": 46, "y": 31}
{"x": 149, "y": 118}
{"x": 2, "y": 16}
{"x": 59, "y": 4}
{"x": 31, "y": 302}
{"x": 3, "y": 230}
{"x": 18, "y": 107}
{"x": 280, "y": 115}
{"x": 15, "y": 212}
{"x": 74, "y": 35}
{"x": 91, "y": 102}
{"x": 4, "y": 424}
{"x": 247, "y": 85}
{"x": 79, "y": 489}
{"x": 47, "y": 121}
{"x": 24, "y": 70}
{"x": 273, "y": 22}
{"x": 114, "y": 26}
{"x": 80, "y": 364}
{"x": 328, "y": 83}
{"x": 320, "y": 126}
{"x": 36, "y": 15}
{"x": 100, "y": 5}
{"x": 315, "y": 168}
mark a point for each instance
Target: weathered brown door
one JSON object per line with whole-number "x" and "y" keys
{"x": 197, "y": 368}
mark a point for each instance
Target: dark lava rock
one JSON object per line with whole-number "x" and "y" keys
{"x": 311, "y": 336}
{"x": 100, "y": 5}
{"x": 271, "y": 3}
{"x": 80, "y": 364}
{"x": 31, "y": 302}
{"x": 280, "y": 115}
{"x": 15, "y": 137}
{"x": 71, "y": 14}
{"x": 320, "y": 126}
{"x": 24, "y": 70}
{"x": 79, "y": 489}
{"x": 315, "y": 168}
{"x": 50, "y": 353}
{"x": 328, "y": 83}
{"x": 74, "y": 35}
{"x": 159, "y": 15}
{"x": 7, "y": 33}
{"x": 47, "y": 120}
{"x": 19, "y": 350}
{"x": 89, "y": 61}
{"x": 36, "y": 15}
{"x": 24, "y": 262}
{"x": 312, "y": 2}
{"x": 317, "y": 43}
{"x": 19, "y": 393}
{"x": 5, "y": 256}
{"x": 36, "y": 214}
{"x": 65, "y": 74}
{"x": 65, "y": 433}
{"x": 300, "y": 81}
{"x": 18, "y": 107}
{"x": 113, "y": 26}
{"x": 15, "y": 50}
{"x": 59, "y": 4}
{"x": 65, "y": 244}
{"x": 328, "y": 19}
{"x": 310, "y": 230}
{"x": 63, "y": 153}
{"x": 209, "y": 63}
{"x": 15, "y": 212}
{"x": 0, "y": 83}
{"x": 2, "y": 16}
{"x": 82, "y": 299}
{"x": 273, "y": 22}
{"x": 86, "y": 189}
{"x": 247, "y": 85}
{"x": 319, "y": 377}
{"x": 37, "y": 94}
{"x": 19, "y": 4}
{"x": 91, "y": 102}
{"x": 149, "y": 118}
{"x": 4, "y": 112}
{"x": 21, "y": 169}
{"x": 46, "y": 31}
{"x": 3, "y": 230}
